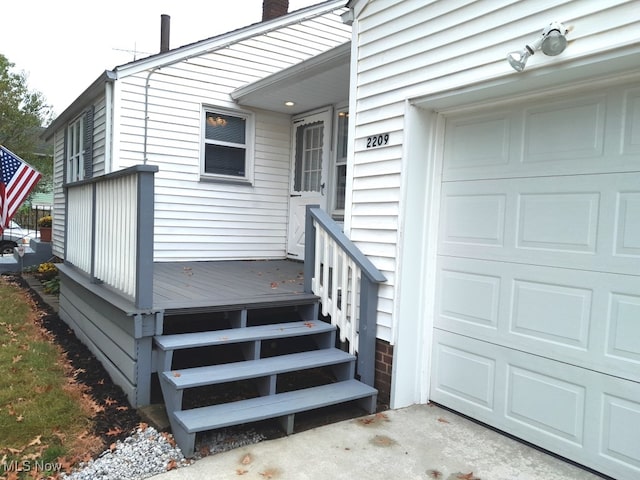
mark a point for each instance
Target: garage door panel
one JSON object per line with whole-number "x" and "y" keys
{"x": 592, "y": 134}
{"x": 631, "y": 131}
{"x": 548, "y": 311}
{"x": 466, "y": 375}
{"x": 588, "y": 222}
{"x": 623, "y": 328}
{"x": 564, "y": 130}
{"x": 628, "y": 225}
{"x": 543, "y": 219}
{"x": 574, "y": 412}
{"x": 621, "y": 430}
{"x": 546, "y": 403}
{"x": 588, "y": 319}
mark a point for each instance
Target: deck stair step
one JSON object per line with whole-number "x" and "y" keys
{"x": 281, "y": 405}
{"x": 231, "y": 372}
{"x": 167, "y": 344}
{"x": 263, "y": 371}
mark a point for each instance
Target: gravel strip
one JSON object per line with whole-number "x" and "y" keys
{"x": 147, "y": 453}
{"x": 142, "y": 455}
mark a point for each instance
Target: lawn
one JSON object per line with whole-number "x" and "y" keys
{"x": 45, "y": 414}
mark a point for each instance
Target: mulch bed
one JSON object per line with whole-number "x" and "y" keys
{"x": 117, "y": 416}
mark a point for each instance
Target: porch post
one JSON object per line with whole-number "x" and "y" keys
{"x": 309, "y": 248}
{"x": 367, "y": 330}
{"x": 144, "y": 245}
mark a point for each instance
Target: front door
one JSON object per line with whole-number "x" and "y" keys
{"x": 311, "y": 146}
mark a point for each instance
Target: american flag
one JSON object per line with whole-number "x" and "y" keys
{"x": 17, "y": 179}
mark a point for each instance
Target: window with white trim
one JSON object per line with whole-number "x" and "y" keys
{"x": 227, "y": 145}
{"x": 340, "y": 173}
{"x": 75, "y": 150}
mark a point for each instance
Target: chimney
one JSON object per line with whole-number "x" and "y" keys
{"x": 165, "y": 28}
{"x": 274, "y": 9}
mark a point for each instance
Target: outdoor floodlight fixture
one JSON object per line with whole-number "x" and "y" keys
{"x": 552, "y": 42}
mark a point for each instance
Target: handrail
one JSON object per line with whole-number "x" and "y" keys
{"x": 347, "y": 283}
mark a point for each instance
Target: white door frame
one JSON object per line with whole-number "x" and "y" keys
{"x": 422, "y": 166}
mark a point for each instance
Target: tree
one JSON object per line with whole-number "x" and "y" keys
{"x": 23, "y": 114}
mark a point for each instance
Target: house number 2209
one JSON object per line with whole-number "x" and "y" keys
{"x": 378, "y": 140}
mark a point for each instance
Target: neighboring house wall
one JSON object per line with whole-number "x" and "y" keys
{"x": 406, "y": 49}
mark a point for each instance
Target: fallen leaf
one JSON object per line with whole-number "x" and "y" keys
{"x": 172, "y": 465}
{"x": 443, "y": 420}
{"x": 14, "y": 451}
{"x": 177, "y": 374}
{"x": 467, "y": 476}
{"x": 241, "y": 471}
{"x": 35, "y": 441}
{"x": 169, "y": 438}
{"x": 309, "y": 324}
{"x": 270, "y": 473}
{"x": 143, "y": 426}
{"x": 114, "y": 431}
{"x": 110, "y": 401}
{"x": 17, "y": 358}
{"x": 434, "y": 474}
{"x": 122, "y": 409}
{"x": 246, "y": 460}
{"x": 273, "y": 285}
{"x": 19, "y": 418}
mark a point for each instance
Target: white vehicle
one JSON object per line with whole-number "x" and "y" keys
{"x": 13, "y": 236}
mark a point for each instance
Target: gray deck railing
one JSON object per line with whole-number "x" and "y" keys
{"x": 109, "y": 230}
{"x": 346, "y": 282}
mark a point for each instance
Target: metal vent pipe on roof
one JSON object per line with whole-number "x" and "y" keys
{"x": 165, "y": 30}
{"x": 274, "y": 8}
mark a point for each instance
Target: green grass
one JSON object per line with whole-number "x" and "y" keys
{"x": 42, "y": 412}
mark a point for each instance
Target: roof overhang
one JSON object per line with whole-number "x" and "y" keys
{"x": 96, "y": 89}
{"x": 316, "y": 82}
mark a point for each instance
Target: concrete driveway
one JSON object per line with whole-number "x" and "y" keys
{"x": 419, "y": 442}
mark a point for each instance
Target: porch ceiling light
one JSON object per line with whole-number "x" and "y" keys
{"x": 552, "y": 42}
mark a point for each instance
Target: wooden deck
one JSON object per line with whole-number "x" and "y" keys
{"x": 214, "y": 286}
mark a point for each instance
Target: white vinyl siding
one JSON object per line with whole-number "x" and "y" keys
{"x": 208, "y": 220}
{"x": 99, "y": 138}
{"x": 435, "y": 47}
{"x": 58, "y": 195}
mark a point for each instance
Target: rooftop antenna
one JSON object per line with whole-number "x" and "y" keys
{"x": 135, "y": 51}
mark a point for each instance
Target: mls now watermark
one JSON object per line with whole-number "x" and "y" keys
{"x": 29, "y": 466}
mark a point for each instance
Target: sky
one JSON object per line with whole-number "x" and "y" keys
{"x": 64, "y": 45}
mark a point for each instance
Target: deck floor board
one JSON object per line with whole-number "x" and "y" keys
{"x": 184, "y": 285}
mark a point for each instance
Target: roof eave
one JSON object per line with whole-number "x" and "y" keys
{"x": 298, "y": 71}
{"x": 221, "y": 41}
{"x": 94, "y": 90}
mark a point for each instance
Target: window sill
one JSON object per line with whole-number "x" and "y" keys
{"x": 227, "y": 180}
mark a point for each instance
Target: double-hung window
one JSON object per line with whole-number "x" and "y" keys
{"x": 75, "y": 150}
{"x": 340, "y": 173}
{"x": 227, "y": 145}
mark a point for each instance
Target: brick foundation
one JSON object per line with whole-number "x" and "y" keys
{"x": 382, "y": 381}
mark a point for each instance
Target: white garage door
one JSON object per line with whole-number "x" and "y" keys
{"x": 537, "y": 312}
